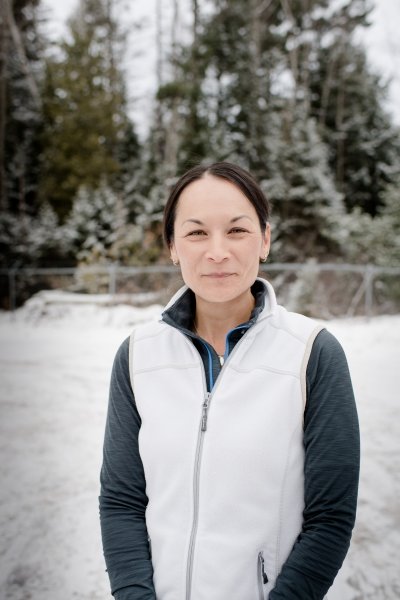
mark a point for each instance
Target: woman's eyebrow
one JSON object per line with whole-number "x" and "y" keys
{"x": 193, "y": 221}
{"x": 198, "y": 222}
{"x": 240, "y": 217}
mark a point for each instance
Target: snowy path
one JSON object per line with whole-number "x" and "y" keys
{"x": 54, "y": 379}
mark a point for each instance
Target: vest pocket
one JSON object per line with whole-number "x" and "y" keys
{"x": 262, "y": 577}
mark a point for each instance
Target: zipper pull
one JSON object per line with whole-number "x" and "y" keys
{"x": 204, "y": 415}
{"x": 262, "y": 567}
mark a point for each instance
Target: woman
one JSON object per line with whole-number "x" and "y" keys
{"x": 231, "y": 451}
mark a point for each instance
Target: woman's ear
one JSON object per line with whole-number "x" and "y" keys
{"x": 266, "y": 243}
{"x": 173, "y": 254}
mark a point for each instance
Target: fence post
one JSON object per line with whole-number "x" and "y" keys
{"x": 12, "y": 289}
{"x": 369, "y": 280}
{"x": 112, "y": 281}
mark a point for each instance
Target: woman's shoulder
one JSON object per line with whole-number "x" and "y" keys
{"x": 140, "y": 332}
{"x": 327, "y": 365}
{"x": 326, "y": 347}
{"x": 295, "y": 324}
{"x": 121, "y": 360}
{"x": 147, "y": 330}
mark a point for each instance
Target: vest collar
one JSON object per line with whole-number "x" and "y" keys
{"x": 180, "y": 309}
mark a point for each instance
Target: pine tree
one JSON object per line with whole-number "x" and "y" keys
{"x": 96, "y": 225}
{"x": 255, "y": 98}
{"x": 21, "y": 49}
{"x": 347, "y": 99}
{"x": 277, "y": 78}
{"x": 232, "y": 88}
{"x": 387, "y": 243}
{"x": 87, "y": 131}
{"x": 31, "y": 240}
{"x": 306, "y": 204}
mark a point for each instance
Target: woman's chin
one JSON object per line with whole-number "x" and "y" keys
{"x": 219, "y": 291}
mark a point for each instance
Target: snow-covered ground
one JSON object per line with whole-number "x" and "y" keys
{"x": 55, "y": 362}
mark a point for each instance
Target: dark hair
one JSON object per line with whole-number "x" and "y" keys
{"x": 224, "y": 170}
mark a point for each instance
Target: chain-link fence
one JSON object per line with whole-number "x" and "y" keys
{"x": 317, "y": 289}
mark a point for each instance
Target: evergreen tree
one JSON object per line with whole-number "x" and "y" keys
{"x": 232, "y": 88}
{"x": 347, "y": 99}
{"x": 96, "y": 225}
{"x": 386, "y": 250}
{"x": 31, "y": 240}
{"x": 307, "y": 207}
{"x": 283, "y": 89}
{"x": 87, "y": 134}
{"x": 253, "y": 92}
{"x": 21, "y": 49}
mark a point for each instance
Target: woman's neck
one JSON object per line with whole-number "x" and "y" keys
{"x": 213, "y": 320}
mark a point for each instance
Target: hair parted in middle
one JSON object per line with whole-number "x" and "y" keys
{"x": 223, "y": 170}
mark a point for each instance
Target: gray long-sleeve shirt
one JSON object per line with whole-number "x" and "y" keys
{"x": 331, "y": 441}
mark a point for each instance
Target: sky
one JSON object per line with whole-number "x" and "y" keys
{"x": 381, "y": 39}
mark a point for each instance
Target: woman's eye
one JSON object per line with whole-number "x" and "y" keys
{"x": 196, "y": 233}
{"x": 237, "y": 230}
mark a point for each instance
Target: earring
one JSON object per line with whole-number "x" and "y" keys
{"x": 175, "y": 262}
{"x": 263, "y": 260}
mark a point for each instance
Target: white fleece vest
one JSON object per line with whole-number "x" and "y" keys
{"x": 224, "y": 472}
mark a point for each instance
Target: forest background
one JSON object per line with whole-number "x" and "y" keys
{"x": 282, "y": 87}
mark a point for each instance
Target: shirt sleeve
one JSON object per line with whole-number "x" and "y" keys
{"x": 331, "y": 472}
{"x": 122, "y": 498}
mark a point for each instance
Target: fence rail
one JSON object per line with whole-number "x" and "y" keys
{"x": 368, "y": 273}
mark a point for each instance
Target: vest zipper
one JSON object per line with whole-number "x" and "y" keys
{"x": 199, "y": 448}
{"x": 204, "y": 413}
{"x": 262, "y": 577}
{"x": 196, "y": 476}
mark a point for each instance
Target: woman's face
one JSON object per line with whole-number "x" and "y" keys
{"x": 217, "y": 240}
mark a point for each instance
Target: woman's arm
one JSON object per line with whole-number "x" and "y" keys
{"x": 331, "y": 470}
{"x": 122, "y": 497}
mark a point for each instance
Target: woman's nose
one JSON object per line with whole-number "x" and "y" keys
{"x": 217, "y": 249}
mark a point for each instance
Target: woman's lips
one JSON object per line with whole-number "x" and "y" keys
{"x": 218, "y": 275}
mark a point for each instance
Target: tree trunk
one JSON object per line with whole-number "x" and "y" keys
{"x": 341, "y": 136}
{"x": 159, "y": 119}
{"x": 293, "y": 57}
{"x": 18, "y": 45}
{"x": 4, "y": 41}
{"x": 172, "y": 138}
{"x": 159, "y": 44}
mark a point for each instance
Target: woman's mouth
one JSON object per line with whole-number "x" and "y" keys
{"x": 218, "y": 275}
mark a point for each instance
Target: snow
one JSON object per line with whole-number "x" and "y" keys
{"x": 55, "y": 363}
